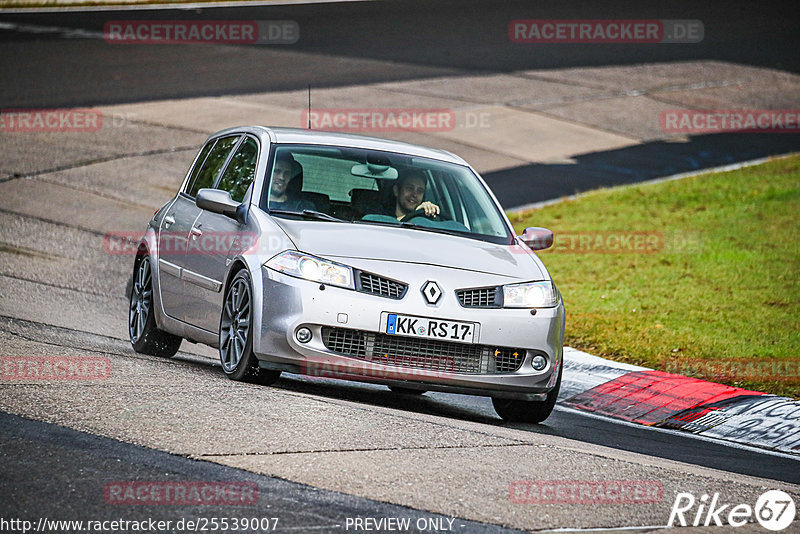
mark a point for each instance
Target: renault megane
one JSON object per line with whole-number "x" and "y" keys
{"x": 350, "y": 257}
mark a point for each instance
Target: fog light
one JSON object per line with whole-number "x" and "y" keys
{"x": 539, "y": 363}
{"x": 303, "y": 335}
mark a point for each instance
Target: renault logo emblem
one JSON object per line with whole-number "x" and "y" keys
{"x": 431, "y": 291}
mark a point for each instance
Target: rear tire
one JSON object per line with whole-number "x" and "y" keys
{"x": 236, "y": 335}
{"x": 145, "y": 337}
{"x": 522, "y": 411}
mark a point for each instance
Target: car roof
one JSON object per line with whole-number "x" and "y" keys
{"x": 320, "y": 137}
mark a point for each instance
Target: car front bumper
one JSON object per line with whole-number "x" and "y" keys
{"x": 334, "y": 314}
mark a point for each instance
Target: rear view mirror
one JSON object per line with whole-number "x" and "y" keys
{"x": 374, "y": 170}
{"x": 537, "y": 238}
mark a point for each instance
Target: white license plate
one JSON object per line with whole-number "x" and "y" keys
{"x": 426, "y": 327}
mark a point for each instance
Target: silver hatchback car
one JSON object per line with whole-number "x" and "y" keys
{"x": 349, "y": 257}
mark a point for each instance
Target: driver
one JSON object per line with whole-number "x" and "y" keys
{"x": 409, "y": 189}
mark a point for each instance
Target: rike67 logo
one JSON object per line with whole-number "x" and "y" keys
{"x": 774, "y": 510}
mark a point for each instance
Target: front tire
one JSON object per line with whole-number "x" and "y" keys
{"x": 522, "y": 411}
{"x": 236, "y": 334}
{"x": 145, "y": 337}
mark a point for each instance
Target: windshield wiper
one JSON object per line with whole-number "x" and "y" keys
{"x": 309, "y": 214}
{"x": 433, "y": 229}
{"x": 413, "y": 226}
{"x": 396, "y": 224}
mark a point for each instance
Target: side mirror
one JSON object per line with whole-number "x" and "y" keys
{"x": 537, "y": 238}
{"x": 218, "y": 201}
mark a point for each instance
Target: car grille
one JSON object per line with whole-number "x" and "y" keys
{"x": 378, "y": 285}
{"x": 425, "y": 354}
{"x": 484, "y": 297}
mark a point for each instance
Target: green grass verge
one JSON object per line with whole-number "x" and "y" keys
{"x": 717, "y": 297}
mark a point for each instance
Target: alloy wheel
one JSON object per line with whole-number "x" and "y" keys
{"x": 141, "y": 300}
{"x": 235, "y": 325}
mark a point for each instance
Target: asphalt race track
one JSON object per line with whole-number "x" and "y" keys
{"x": 351, "y": 43}
{"x": 323, "y": 452}
{"x": 51, "y": 64}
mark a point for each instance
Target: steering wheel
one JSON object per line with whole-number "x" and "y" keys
{"x": 416, "y": 213}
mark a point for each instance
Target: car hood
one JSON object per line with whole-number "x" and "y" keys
{"x": 372, "y": 242}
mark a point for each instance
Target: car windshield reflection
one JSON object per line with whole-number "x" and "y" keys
{"x": 383, "y": 188}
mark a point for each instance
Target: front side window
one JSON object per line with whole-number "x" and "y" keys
{"x": 241, "y": 170}
{"x": 386, "y": 188}
{"x": 205, "y": 173}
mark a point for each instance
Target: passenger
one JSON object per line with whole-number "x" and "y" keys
{"x": 286, "y": 170}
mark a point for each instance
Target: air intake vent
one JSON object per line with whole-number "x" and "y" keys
{"x": 431, "y": 355}
{"x": 484, "y": 297}
{"x": 378, "y": 285}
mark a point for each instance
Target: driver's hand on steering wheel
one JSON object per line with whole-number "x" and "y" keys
{"x": 431, "y": 209}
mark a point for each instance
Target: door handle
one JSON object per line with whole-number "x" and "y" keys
{"x": 196, "y": 232}
{"x": 169, "y": 220}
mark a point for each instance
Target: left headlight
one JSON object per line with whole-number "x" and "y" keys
{"x": 312, "y": 268}
{"x": 530, "y": 295}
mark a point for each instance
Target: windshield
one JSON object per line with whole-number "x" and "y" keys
{"x": 373, "y": 187}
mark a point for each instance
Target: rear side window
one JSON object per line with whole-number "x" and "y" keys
{"x": 209, "y": 163}
{"x": 241, "y": 170}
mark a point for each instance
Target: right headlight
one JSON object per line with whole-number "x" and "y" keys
{"x": 312, "y": 268}
{"x": 530, "y": 295}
